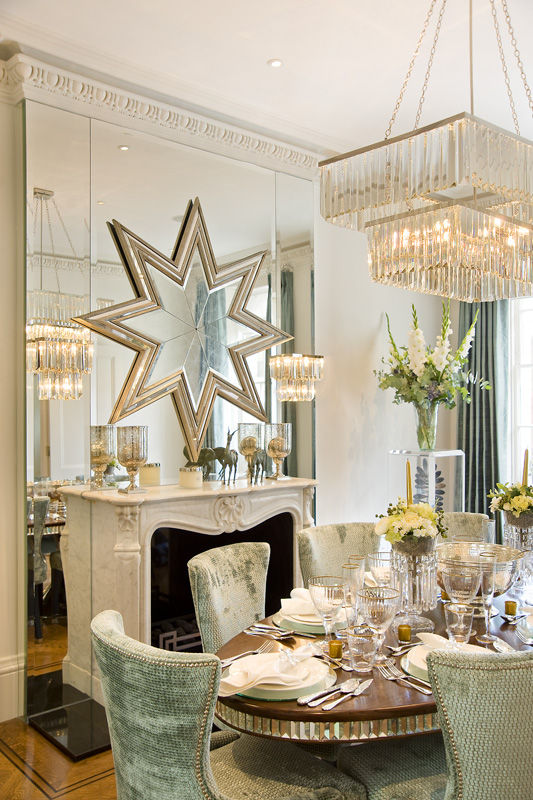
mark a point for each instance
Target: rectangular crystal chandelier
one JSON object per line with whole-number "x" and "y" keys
{"x": 296, "y": 375}
{"x": 448, "y": 208}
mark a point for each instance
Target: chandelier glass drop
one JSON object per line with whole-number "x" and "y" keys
{"x": 296, "y": 375}
{"x": 58, "y": 350}
{"x": 447, "y": 208}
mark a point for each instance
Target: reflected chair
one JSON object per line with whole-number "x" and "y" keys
{"x": 37, "y": 567}
{"x": 228, "y": 587}
{"x": 484, "y": 751}
{"x": 160, "y": 707}
{"x": 324, "y": 549}
{"x": 463, "y": 526}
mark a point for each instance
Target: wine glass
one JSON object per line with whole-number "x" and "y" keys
{"x": 461, "y": 583}
{"x": 488, "y": 586}
{"x": 328, "y": 596}
{"x": 377, "y": 607}
{"x": 278, "y": 437}
{"x": 103, "y": 449}
{"x": 132, "y": 452}
{"x": 379, "y": 565}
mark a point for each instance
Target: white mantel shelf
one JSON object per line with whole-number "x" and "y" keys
{"x": 106, "y": 548}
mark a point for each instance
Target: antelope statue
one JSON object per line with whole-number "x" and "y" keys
{"x": 227, "y": 458}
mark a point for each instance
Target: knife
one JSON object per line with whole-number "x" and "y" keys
{"x": 361, "y": 688}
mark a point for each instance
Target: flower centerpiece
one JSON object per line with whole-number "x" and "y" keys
{"x": 516, "y": 501}
{"x": 428, "y": 376}
{"x": 411, "y": 528}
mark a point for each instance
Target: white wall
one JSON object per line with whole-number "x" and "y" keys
{"x": 356, "y": 422}
{"x": 11, "y": 422}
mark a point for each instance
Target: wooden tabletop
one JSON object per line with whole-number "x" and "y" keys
{"x": 386, "y": 709}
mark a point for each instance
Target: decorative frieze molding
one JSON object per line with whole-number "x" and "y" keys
{"x": 25, "y": 77}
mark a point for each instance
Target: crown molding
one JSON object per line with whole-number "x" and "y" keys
{"x": 25, "y": 77}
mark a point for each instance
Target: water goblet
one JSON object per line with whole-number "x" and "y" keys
{"x": 278, "y": 438}
{"x": 356, "y": 558}
{"x": 103, "y": 449}
{"x": 353, "y": 575}
{"x": 377, "y": 607}
{"x": 458, "y": 618}
{"x": 362, "y": 645}
{"x": 132, "y": 452}
{"x": 461, "y": 583}
{"x": 328, "y": 596}
{"x": 488, "y": 586}
{"x": 380, "y": 568}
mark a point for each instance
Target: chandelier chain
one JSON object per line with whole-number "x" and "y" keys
{"x": 430, "y": 63}
{"x": 410, "y": 69}
{"x": 504, "y": 66}
{"x": 516, "y": 53}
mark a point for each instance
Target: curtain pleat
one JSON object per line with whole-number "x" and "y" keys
{"x": 482, "y": 424}
{"x": 288, "y": 410}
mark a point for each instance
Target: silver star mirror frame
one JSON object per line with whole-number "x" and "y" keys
{"x": 189, "y": 326}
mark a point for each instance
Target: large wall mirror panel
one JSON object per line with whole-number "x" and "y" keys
{"x": 81, "y": 174}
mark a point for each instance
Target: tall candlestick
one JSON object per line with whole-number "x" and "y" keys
{"x": 526, "y": 468}
{"x": 408, "y": 483}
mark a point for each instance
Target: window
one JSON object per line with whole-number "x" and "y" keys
{"x": 522, "y": 384}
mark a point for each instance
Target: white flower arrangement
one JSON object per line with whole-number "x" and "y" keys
{"x": 405, "y": 522}
{"x": 517, "y": 498}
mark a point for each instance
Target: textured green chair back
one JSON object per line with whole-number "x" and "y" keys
{"x": 228, "y": 587}
{"x": 160, "y": 708}
{"x": 40, "y": 510}
{"x": 324, "y": 549}
{"x": 463, "y": 526}
{"x": 484, "y": 705}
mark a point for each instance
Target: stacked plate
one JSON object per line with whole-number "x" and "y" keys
{"x": 305, "y": 677}
{"x": 415, "y": 661}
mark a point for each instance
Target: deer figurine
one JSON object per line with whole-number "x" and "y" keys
{"x": 227, "y": 458}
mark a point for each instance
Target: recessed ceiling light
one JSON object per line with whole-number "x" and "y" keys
{"x": 275, "y": 62}
{"x": 99, "y": 202}
{"x": 123, "y": 147}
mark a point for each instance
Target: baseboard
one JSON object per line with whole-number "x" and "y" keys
{"x": 11, "y": 687}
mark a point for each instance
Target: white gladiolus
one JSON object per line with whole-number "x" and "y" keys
{"x": 417, "y": 351}
{"x": 441, "y": 353}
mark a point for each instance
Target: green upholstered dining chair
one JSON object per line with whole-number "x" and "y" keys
{"x": 484, "y": 752}
{"x": 324, "y": 549}
{"x": 463, "y": 526}
{"x": 160, "y": 708}
{"x": 228, "y": 587}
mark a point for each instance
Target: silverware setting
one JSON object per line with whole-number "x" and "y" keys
{"x": 317, "y": 699}
{"x": 400, "y": 650}
{"x": 503, "y": 647}
{"x": 266, "y": 647}
{"x": 388, "y": 672}
{"x": 347, "y": 695}
{"x": 337, "y": 663}
{"x": 523, "y": 639}
{"x": 512, "y": 619}
{"x": 260, "y": 626}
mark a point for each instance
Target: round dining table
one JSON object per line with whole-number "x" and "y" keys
{"x": 386, "y": 709}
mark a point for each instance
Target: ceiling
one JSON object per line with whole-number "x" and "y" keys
{"x": 344, "y": 60}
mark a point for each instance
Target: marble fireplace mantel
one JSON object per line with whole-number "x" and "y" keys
{"x": 105, "y": 548}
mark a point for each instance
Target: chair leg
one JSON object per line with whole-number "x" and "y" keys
{"x": 56, "y": 587}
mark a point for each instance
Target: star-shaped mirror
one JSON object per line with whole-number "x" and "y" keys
{"x": 190, "y": 326}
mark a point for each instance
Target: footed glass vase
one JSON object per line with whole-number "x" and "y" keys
{"x": 518, "y": 532}
{"x": 426, "y": 425}
{"x": 414, "y": 573}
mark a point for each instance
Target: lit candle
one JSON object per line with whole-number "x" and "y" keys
{"x": 335, "y": 648}
{"x": 526, "y": 468}
{"x": 510, "y": 607}
{"x": 408, "y": 483}
{"x": 404, "y": 633}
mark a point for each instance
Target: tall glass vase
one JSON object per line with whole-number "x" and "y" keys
{"x": 426, "y": 424}
{"x": 518, "y": 532}
{"x": 414, "y": 573}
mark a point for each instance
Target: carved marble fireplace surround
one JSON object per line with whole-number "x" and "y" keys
{"x": 105, "y": 548}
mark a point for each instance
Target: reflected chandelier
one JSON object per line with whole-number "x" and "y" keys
{"x": 447, "y": 208}
{"x": 296, "y": 375}
{"x": 58, "y": 350}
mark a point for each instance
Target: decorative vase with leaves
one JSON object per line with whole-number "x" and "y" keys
{"x": 428, "y": 376}
{"x": 412, "y": 528}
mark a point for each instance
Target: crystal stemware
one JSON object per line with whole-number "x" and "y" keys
{"x": 377, "y": 606}
{"x": 488, "y": 587}
{"x": 353, "y": 575}
{"x": 328, "y": 596}
{"x": 132, "y": 452}
{"x": 103, "y": 449}
{"x": 278, "y": 438}
{"x": 379, "y": 565}
{"x": 461, "y": 583}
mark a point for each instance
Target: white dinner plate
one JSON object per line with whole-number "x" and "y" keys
{"x": 291, "y": 623}
{"x": 319, "y": 676}
{"x": 414, "y": 662}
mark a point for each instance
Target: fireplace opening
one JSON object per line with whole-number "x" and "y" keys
{"x": 173, "y": 621}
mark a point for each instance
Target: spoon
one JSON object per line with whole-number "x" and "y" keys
{"x": 346, "y": 695}
{"x": 512, "y": 619}
{"x": 343, "y": 688}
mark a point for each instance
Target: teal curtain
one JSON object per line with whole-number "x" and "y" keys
{"x": 288, "y": 410}
{"x": 268, "y": 353}
{"x": 483, "y": 425}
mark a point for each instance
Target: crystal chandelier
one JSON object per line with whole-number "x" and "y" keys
{"x": 296, "y": 375}
{"x": 447, "y": 208}
{"x": 58, "y": 350}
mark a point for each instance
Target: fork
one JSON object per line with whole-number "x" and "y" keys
{"x": 387, "y": 674}
{"x": 266, "y": 647}
{"x": 522, "y": 637}
{"x": 399, "y": 674}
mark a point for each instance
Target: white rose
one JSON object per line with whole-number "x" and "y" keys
{"x": 382, "y": 526}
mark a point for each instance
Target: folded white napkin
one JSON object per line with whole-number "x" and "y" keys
{"x": 286, "y": 668}
{"x": 300, "y": 603}
{"x": 369, "y": 579}
{"x": 433, "y": 641}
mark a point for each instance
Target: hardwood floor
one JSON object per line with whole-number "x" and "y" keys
{"x": 48, "y": 654}
{"x": 33, "y": 769}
